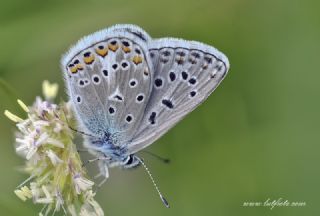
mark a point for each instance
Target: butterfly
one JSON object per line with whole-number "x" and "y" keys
{"x": 128, "y": 89}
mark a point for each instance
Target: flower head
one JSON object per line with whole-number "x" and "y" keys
{"x": 57, "y": 177}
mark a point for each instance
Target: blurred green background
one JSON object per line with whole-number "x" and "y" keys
{"x": 256, "y": 137}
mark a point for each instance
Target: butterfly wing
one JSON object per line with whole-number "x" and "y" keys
{"x": 109, "y": 78}
{"x": 186, "y": 73}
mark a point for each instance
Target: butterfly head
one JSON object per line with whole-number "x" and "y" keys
{"x": 131, "y": 161}
{"x": 114, "y": 154}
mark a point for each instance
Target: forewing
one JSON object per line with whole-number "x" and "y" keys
{"x": 186, "y": 73}
{"x": 109, "y": 80}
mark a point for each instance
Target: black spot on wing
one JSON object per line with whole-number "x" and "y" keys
{"x": 167, "y": 103}
{"x": 192, "y": 81}
{"x": 193, "y": 93}
{"x": 184, "y": 75}
{"x": 140, "y": 98}
{"x": 172, "y": 76}
{"x": 111, "y": 110}
{"x": 133, "y": 83}
{"x": 137, "y": 51}
{"x": 129, "y": 118}
{"x": 124, "y": 64}
{"x": 158, "y": 82}
{"x": 118, "y": 97}
{"x": 125, "y": 43}
{"x": 152, "y": 118}
{"x": 105, "y": 72}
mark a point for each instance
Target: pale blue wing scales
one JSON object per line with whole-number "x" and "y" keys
{"x": 87, "y": 100}
{"x": 186, "y": 73}
{"x": 108, "y": 77}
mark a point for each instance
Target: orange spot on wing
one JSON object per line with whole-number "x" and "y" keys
{"x": 102, "y": 52}
{"x": 80, "y": 67}
{"x": 89, "y": 59}
{"x": 137, "y": 59}
{"x": 126, "y": 49}
{"x": 74, "y": 69}
{"x": 113, "y": 47}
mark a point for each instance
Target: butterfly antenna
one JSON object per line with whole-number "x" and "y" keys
{"x": 81, "y": 132}
{"x": 165, "y": 202}
{"x": 164, "y": 160}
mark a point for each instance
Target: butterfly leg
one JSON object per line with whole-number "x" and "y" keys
{"x": 94, "y": 160}
{"x": 104, "y": 172}
{"x": 102, "y": 182}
